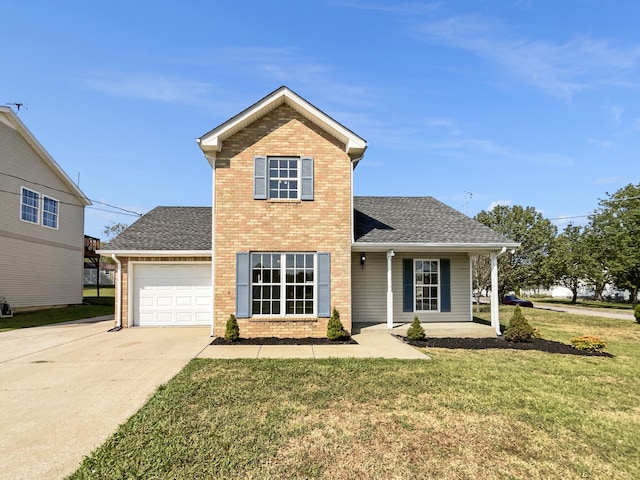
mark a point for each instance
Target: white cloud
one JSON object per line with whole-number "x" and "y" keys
{"x": 557, "y": 69}
{"x": 495, "y": 203}
{"x": 147, "y": 86}
{"x": 606, "y": 180}
{"x": 599, "y": 143}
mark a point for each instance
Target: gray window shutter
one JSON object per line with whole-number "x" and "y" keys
{"x": 407, "y": 285}
{"x": 242, "y": 284}
{"x": 260, "y": 178}
{"x": 324, "y": 284}
{"x": 307, "y": 179}
{"x": 445, "y": 285}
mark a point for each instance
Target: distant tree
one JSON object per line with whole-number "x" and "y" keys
{"x": 480, "y": 276}
{"x": 597, "y": 252}
{"x": 568, "y": 259}
{"x": 527, "y": 267}
{"x": 616, "y": 223}
{"x": 113, "y": 230}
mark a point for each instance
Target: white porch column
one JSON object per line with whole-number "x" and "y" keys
{"x": 390, "y": 255}
{"x": 495, "y": 314}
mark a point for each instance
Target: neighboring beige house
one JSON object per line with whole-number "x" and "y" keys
{"x": 41, "y": 223}
{"x": 285, "y": 240}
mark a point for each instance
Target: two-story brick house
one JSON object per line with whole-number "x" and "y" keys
{"x": 285, "y": 241}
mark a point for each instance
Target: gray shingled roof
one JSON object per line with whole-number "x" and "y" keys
{"x": 393, "y": 220}
{"x": 422, "y": 220}
{"x": 167, "y": 228}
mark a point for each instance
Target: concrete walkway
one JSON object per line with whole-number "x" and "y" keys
{"x": 373, "y": 341}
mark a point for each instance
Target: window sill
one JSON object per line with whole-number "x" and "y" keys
{"x": 283, "y": 200}
{"x": 283, "y": 320}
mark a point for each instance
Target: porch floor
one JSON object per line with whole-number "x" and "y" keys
{"x": 435, "y": 330}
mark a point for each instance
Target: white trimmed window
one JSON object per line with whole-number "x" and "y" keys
{"x": 283, "y": 178}
{"x": 427, "y": 285}
{"x": 50, "y": 212}
{"x": 32, "y": 203}
{"x": 30, "y": 206}
{"x": 283, "y": 284}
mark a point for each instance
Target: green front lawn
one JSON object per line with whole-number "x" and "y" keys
{"x": 92, "y": 307}
{"x": 490, "y": 414}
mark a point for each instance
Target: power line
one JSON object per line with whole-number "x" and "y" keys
{"x": 131, "y": 212}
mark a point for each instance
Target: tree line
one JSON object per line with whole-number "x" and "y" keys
{"x": 605, "y": 251}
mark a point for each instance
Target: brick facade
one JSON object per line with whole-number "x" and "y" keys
{"x": 245, "y": 224}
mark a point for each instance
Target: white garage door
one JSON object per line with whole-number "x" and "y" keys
{"x": 172, "y": 295}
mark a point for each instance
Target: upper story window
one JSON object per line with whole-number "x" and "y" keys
{"x": 49, "y": 212}
{"x": 283, "y": 178}
{"x": 30, "y": 207}
{"x": 32, "y": 203}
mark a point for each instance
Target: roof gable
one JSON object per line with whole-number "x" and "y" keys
{"x": 9, "y": 118}
{"x": 211, "y": 142}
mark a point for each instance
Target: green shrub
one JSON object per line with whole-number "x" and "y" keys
{"x": 590, "y": 343}
{"x": 232, "y": 331}
{"x": 416, "y": 332}
{"x": 519, "y": 329}
{"x": 636, "y": 312}
{"x": 335, "y": 330}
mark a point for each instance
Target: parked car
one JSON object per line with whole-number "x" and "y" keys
{"x": 513, "y": 300}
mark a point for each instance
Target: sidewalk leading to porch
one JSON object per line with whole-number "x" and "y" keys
{"x": 436, "y": 329}
{"x": 374, "y": 341}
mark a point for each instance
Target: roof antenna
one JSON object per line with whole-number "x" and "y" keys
{"x": 467, "y": 197}
{"x": 18, "y": 105}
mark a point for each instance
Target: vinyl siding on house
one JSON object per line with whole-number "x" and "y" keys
{"x": 369, "y": 288}
{"x": 41, "y": 266}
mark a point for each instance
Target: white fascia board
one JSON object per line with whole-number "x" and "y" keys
{"x": 156, "y": 253}
{"x": 14, "y": 121}
{"x": 212, "y": 141}
{"x": 431, "y": 247}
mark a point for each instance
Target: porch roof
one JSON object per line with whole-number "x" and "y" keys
{"x": 420, "y": 222}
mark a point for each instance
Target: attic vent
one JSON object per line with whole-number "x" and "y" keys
{"x": 5, "y": 308}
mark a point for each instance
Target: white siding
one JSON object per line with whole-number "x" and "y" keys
{"x": 369, "y": 289}
{"x": 40, "y": 266}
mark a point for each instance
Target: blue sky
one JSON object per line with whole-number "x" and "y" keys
{"x": 477, "y": 103}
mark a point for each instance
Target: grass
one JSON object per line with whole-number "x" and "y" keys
{"x": 581, "y": 302}
{"x": 465, "y": 414}
{"x": 91, "y": 307}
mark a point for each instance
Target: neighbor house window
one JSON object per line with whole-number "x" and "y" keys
{"x": 49, "y": 212}
{"x": 427, "y": 285}
{"x": 283, "y": 284}
{"x": 283, "y": 178}
{"x": 30, "y": 206}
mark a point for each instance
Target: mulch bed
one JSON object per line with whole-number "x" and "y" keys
{"x": 284, "y": 341}
{"x": 539, "y": 344}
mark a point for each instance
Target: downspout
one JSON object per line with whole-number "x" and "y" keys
{"x": 212, "y": 160}
{"x": 118, "y": 293}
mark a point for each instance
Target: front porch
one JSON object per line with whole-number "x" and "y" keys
{"x": 432, "y": 329}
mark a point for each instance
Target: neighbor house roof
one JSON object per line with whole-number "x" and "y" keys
{"x": 8, "y": 117}
{"x": 211, "y": 142}
{"x": 166, "y": 229}
{"x": 384, "y": 222}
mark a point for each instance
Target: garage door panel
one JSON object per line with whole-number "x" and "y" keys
{"x": 172, "y": 294}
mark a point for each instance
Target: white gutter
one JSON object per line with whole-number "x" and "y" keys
{"x": 435, "y": 247}
{"x": 390, "y": 255}
{"x": 213, "y": 239}
{"x": 157, "y": 253}
{"x": 118, "y": 292}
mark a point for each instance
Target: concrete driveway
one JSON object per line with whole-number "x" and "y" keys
{"x": 65, "y": 388}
